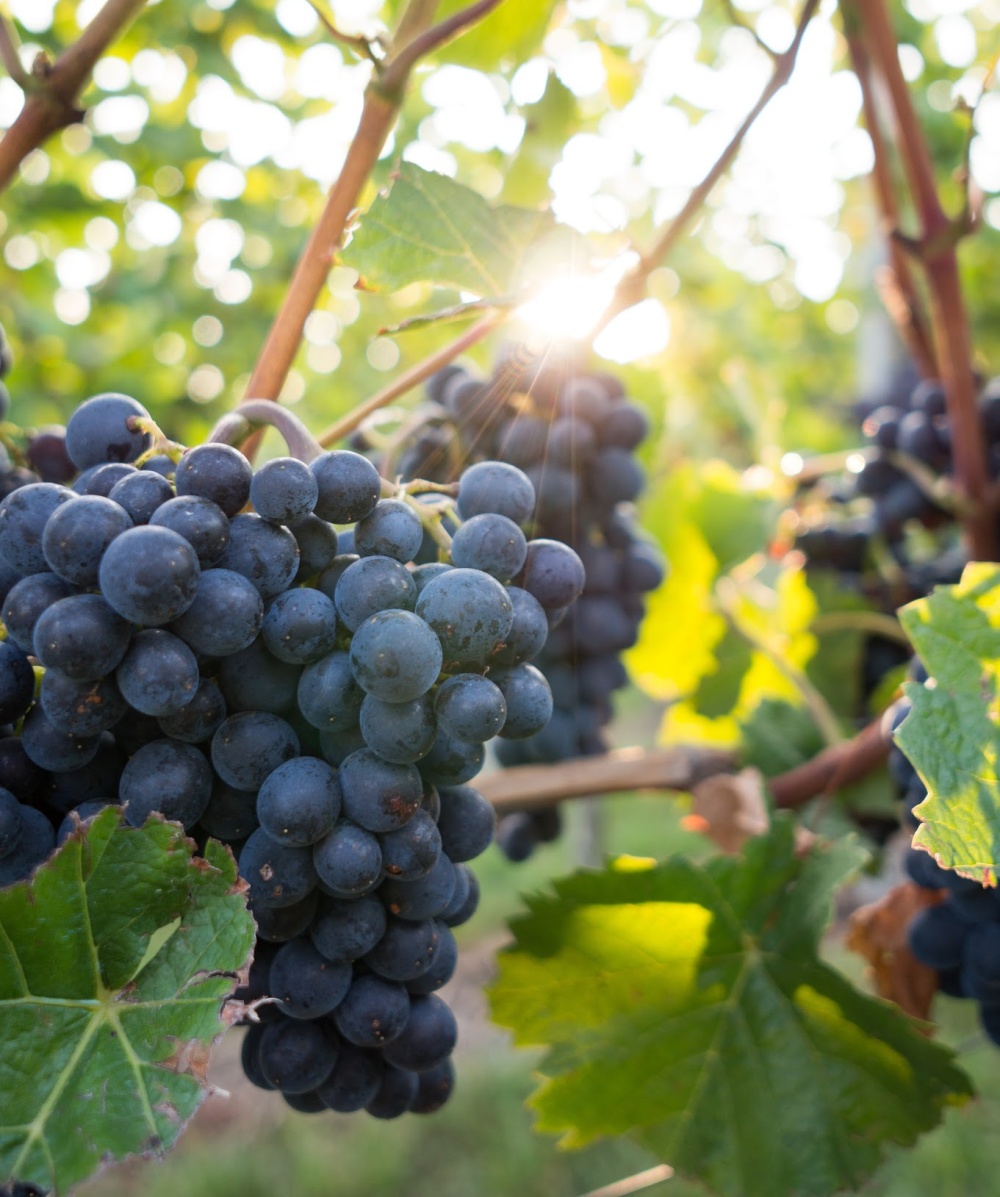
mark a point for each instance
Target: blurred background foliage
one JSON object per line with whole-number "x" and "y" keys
{"x": 147, "y": 250}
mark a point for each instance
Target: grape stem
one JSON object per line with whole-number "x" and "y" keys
{"x": 632, "y": 286}
{"x": 52, "y": 88}
{"x": 938, "y": 258}
{"x": 416, "y": 37}
{"x": 253, "y": 414}
{"x": 410, "y": 378}
{"x": 532, "y": 787}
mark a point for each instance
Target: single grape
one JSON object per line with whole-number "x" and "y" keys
{"x": 141, "y": 493}
{"x": 102, "y": 429}
{"x": 77, "y": 535}
{"x": 399, "y": 732}
{"x": 224, "y": 617}
{"x": 346, "y": 928}
{"x": 277, "y": 874}
{"x": 23, "y": 516}
{"x": 395, "y": 655}
{"x": 284, "y": 490}
{"x": 169, "y": 777}
{"x": 158, "y": 674}
{"x": 202, "y": 523}
{"x": 349, "y": 486}
{"x": 149, "y": 575}
{"x": 299, "y": 802}
{"x": 491, "y": 543}
{"x": 348, "y": 860}
{"x": 295, "y": 1055}
{"x": 492, "y": 486}
{"x": 328, "y": 696}
{"x": 300, "y": 626}
{"x": 428, "y": 1038}
{"x": 266, "y": 554}
{"x": 374, "y": 1011}
{"x": 470, "y": 612}
{"x": 216, "y": 472}
{"x": 373, "y": 584}
{"x": 307, "y": 984}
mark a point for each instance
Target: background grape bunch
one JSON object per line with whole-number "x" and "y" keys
{"x": 317, "y": 701}
{"x": 574, "y": 433}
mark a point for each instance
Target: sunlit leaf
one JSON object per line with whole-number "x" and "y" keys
{"x": 115, "y": 959}
{"x": 686, "y": 1007}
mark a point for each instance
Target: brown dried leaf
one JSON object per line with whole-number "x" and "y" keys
{"x": 878, "y": 933}
{"x": 730, "y": 808}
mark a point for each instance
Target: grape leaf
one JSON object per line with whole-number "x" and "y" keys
{"x": 428, "y": 228}
{"x": 952, "y": 733}
{"x": 686, "y": 1006}
{"x": 115, "y": 959}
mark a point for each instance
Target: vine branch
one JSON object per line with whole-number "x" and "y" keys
{"x": 937, "y": 255}
{"x": 398, "y": 71}
{"x": 530, "y": 787}
{"x": 899, "y": 291}
{"x": 409, "y": 379}
{"x": 383, "y": 98}
{"x": 52, "y": 91}
{"x": 632, "y": 287}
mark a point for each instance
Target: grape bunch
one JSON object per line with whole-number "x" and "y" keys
{"x": 212, "y": 649}
{"x": 574, "y": 434}
{"x": 908, "y": 449}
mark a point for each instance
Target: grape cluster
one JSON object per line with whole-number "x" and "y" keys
{"x": 908, "y": 447}
{"x": 574, "y": 434}
{"x": 316, "y": 700}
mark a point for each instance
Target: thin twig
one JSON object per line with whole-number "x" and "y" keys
{"x": 900, "y": 294}
{"x": 52, "y": 101}
{"x": 843, "y": 765}
{"x": 875, "y": 623}
{"x": 398, "y": 70}
{"x": 632, "y": 287}
{"x": 409, "y": 379}
{"x": 736, "y": 18}
{"x": 9, "y": 55}
{"x": 634, "y": 1184}
{"x": 949, "y": 319}
{"x": 360, "y": 45}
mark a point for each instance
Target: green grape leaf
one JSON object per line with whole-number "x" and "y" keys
{"x": 510, "y": 33}
{"x": 115, "y": 959}
{"x": 428, "y": 228}
{"x": 778, "y": 735}
{"x": 952, "y": 734}
{"x": 548, "y": 125}
{"x": 685, "y": 1006}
